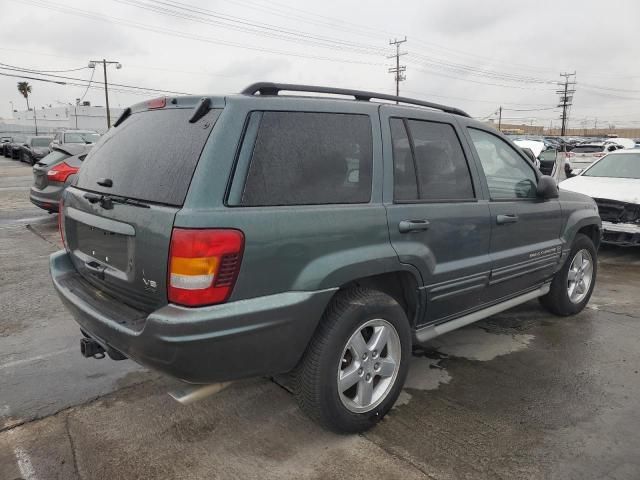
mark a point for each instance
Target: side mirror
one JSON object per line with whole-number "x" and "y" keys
{"x": 547, "y": 187}
{"x": 549, "y": 155}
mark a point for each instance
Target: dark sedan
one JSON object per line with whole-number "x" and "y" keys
{"x": 34, "y": 149}
{"x": 3, "y": 142}
{"x": 54, "y": 173}
{"x": 12, "y": 148}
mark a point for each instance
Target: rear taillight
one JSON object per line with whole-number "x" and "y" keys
{"x": 61, "y": 172}
{"x": 598, "y": 155}
{"x": 61, "y": 223}
{"x": 203, "y": 265}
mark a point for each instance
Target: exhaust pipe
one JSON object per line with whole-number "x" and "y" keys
{"x": 89, "y": 348}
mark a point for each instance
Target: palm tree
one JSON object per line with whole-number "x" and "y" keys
{"x": 25, "y": 89}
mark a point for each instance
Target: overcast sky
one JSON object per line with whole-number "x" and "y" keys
{"x": 472, "y": 54}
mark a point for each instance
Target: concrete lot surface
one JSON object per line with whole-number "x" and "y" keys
{"x": 522, "y": 395}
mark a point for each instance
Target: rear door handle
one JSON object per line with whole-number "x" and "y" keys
{"x": 407, "y": 226}
{"x": 510, "y": 218}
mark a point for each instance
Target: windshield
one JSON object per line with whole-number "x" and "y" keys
{"x": 41, "y": 142}
{"x": 81, "y": 137}
{"x": 620, "y": 165}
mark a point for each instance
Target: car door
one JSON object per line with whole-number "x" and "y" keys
{"x": 525, "y": 236}
{"x": 438, "y": 221}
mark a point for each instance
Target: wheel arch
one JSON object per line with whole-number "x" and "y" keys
{"x": 401, "y": 285}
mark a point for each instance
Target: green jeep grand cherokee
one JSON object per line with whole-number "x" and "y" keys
{"x": 225, "y": 237}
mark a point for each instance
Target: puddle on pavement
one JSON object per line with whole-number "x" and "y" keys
{"x": 478, "y": 344}
{"x": 474, "y": 343}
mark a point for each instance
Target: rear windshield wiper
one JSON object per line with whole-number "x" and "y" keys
{"x": 107, "y": 201}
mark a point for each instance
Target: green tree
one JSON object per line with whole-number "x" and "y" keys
{"x": 25, "y": 89}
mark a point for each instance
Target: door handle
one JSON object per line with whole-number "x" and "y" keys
{"x": 510, "y": 218}
{"x": 407, "y": 226}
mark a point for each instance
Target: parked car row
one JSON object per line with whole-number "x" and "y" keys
{"x": 32, "y": 148}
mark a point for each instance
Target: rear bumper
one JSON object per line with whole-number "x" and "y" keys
{"x": 622, "y": 234}
{"x": 258, "y": 336}
{"x": 47, "y": 199}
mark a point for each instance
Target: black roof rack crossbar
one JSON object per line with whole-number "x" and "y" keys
{"x": 268, "y": 88}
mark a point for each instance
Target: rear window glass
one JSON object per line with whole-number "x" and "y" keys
{"x": 305, "y": 158}
{"x": 588, "y": 148}
{"x": 54, "y": 157}
{"x": 150, "y": 156}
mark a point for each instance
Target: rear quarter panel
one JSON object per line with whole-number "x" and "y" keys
{"x": 290, "y": 248}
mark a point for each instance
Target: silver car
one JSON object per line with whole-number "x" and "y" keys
{"x": 54, "y": 173}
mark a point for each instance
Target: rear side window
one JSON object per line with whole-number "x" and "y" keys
{"x": 307, "y": 158}
{"x": 150, "y": 156}
{"x": 439, "y": 171}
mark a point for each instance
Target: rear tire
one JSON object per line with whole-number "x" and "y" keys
{"x": 573, "y": 284}
{"x": 356, "y": 363}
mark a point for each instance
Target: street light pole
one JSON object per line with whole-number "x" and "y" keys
{"x": 34, "y": 119}
{"x": 92, "y": 64}
{"x": 106, "y": 93}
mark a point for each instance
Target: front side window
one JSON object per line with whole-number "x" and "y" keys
{"x": 429, "y": 164}
{"x": 509, "y": 176}
{"x": 308, "y": 158}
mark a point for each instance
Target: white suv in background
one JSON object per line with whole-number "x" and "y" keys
{"x": 82, "y": 137}
{"x": 585, "y": 154}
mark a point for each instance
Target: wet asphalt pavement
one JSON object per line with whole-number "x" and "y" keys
{"x": 523, "y": 394}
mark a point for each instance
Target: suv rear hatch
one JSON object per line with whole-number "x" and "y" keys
{"x": 118, "y": 216}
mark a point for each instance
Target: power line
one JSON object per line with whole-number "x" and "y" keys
{"x": 179, "y": 34}
{"x": 201, "y": 15}
{"x": 93, "y": 71}
{"x": 148, "y": 89}
{"x": 31, "y": 70}
{"x": 79, "y": 82}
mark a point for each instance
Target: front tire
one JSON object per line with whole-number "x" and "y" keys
{"x": 356, "y": 363}
{"x": 573, "y": 284}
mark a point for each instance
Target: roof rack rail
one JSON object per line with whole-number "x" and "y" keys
{"x": 268, "y": 88}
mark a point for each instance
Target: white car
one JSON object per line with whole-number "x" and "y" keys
{"x": 613, "y": 182}
{"x": 585, "y": 154}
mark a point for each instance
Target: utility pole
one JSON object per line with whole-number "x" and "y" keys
{"x": 92, "y": 64}
{"x": 34, "y": 119}
{"x": 398, "y": 70}
{"x": 499, "y": 117}
{"x": 566, "y": 98}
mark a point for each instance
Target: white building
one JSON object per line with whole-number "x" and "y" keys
{"x": 53, "y": 119}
